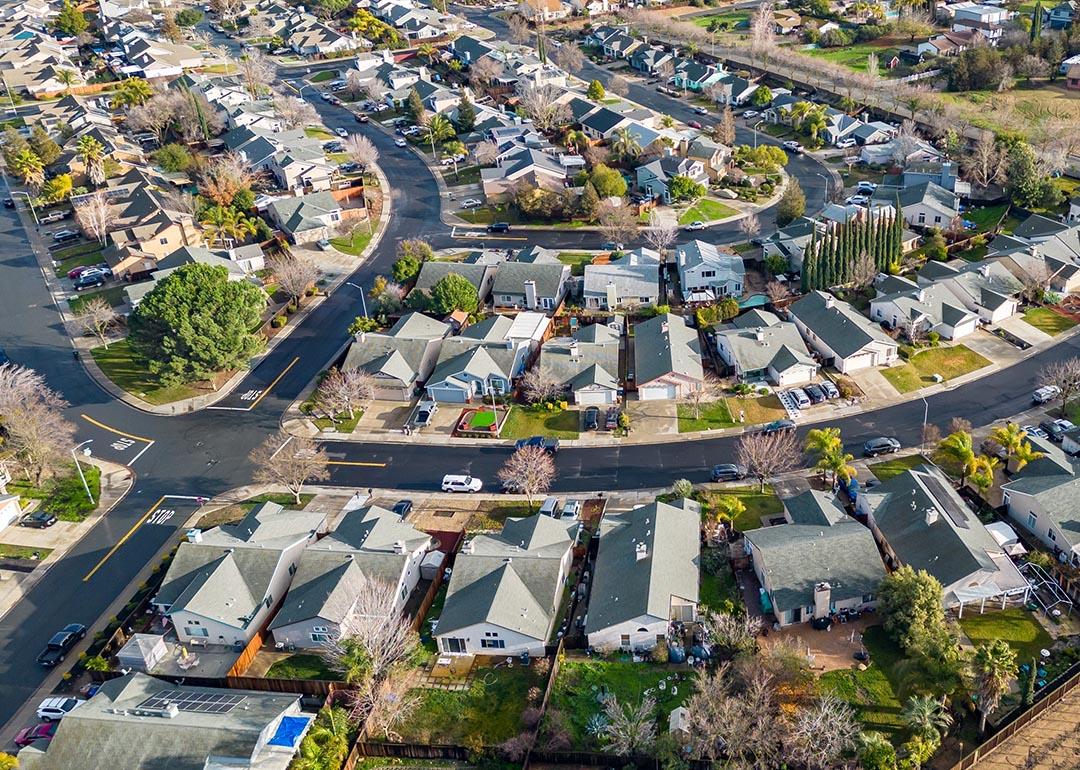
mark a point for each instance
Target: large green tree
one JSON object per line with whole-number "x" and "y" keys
{"x": 994, "y": 666}
{"x": 909, "y": 603}
{"x": 1026, "y": 185}
{"x": 792, "y": 203}
{"x": 43, "y": 144}
{"x": 70, "y": 21}
{"x": 197, "y": 322}
{"x": 607, "y": 181}
{"x": 452, "y": 292}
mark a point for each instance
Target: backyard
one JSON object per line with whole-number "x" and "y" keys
{"x": 577, "y": 260}
{"x": 1016, "y": 626}
{"x": 1047, "y": 320}
{"x": 719, "y": 591}
{"x": 301, "y": 666}
{"x": 949, "y": 362}
{"x": 854, "y": 57}
{"x": 706, "y": 210}
{"x": 758, "y": 504}
{"x": 986, "y": 218}
{"x": 872, "y": 693}
{"x": 129, "y": 372}
{"x": 525, "y": 421}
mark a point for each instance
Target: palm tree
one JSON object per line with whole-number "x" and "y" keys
{"x": 814, "y": 124}
{"x": 223, "y": 223}
{"x": 994, "y": 666}
{"x": 438, "y": 128}
{"x": 67, "y": 77}
{"x": 1012, "y": 438}
{"x": 455, "y": 149}
{"x": 925, "y": 717}
{"x": 625, "y": 145}
{"x": 1024, "y": 454}
{"x": 327, "y": 743}
{"x": 959, "y": 450}
{"x": 428, "y": 51}
{"x": 799, "y": 112}
{"x": 824, "y": 444}
{"x": 92, "y": 154}
{"x": 28, "y": 167}
{"x": 131, "y": 92}
{"x": 982, "y": 474}
{"x": 575, "y": 139}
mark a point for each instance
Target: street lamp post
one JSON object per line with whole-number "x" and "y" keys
{"x": 925, "y": 414}
{"x": 29, "y": 201}
{"x": 78, "y": 467}
{"x": 755, "y": 130}
{"x": 363, "y": 299}
{"x": 828, "y": 185}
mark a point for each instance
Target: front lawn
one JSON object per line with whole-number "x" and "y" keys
{"x": 464, "y": 175}
{"x": 27, "y": 552}
{"x": 758, "y": 504}
{"x": 64, "y": 496}
{"x": 1046, "y": 320}
{"x": 887, "y": 469}
{"x": 76, "y": 256}
{"x": 353, "y": 244}
{"x": 487, "y": 713}
{"x": 872, "y": 693}
{"x": 1016, "y": 626}
{"x": 706, "y": 210}
{"x": 301, "y": 666}
{"x": 322, "y": 77}
{"x": 714, "y": 414}
{"x": 949, "y": 362}
{"x": 129, "y": 372}
{"x": 525, "y": 421}
{"x": 114, "y": 295}
{"x": 581, "y": 683}
{"x": 341, "y": 423}
{"x": 314, "y": 132}
{"x": 758, "y": 410}
{"x": 577, "y": 261}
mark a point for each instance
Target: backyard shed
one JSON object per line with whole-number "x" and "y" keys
{"x": 430, "y": 566}
{"x": 142, "y": 652}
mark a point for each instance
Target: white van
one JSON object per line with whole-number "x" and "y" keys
{"x": 550, "y": 506}
{"x": 455, "y": 483}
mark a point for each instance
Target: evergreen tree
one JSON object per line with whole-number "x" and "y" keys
{"x": 809, "y": 260}
{"x": 590, "y": 201}
{"x": 466, "y": 115}
{"x": 897, "y": 234}
{"x": 415, "y": 106}
{"x": 1036, "y": 22}
{"x": 70, "y": 21}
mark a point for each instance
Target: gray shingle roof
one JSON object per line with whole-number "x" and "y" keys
{"x": 837, "y": 324}
{"x": 511, "y": 278}
{"x": 629, "y": 280}
{"x": 778, "y": 344}
{"x": 399, "y": 353}
{"x": 590, "y": 357}
{"x": 431, "y": 272}
{"x": 663, "y": 345}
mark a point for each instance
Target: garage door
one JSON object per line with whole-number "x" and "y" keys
{"x": 656, "y": 392}
{"x": 448, "y": 395}
{"x": 593, "y": 397}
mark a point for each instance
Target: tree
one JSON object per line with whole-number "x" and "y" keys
{"x": 257, "y": 71}
{"x": 762, "y": 96}
{"x": 925, "y": 717}
{"x": 1063, "y": 375}
{"x": 224, "y": 177}
{"x": 294, "y": 276}
{"x": 131, "y": 92}
{"x": 414, "y": 106}
{"x": 750, "y": 226}
{"x": 290, "y": 462}
{"x": 766, "y": 454}
{"x": 595, "y": 91}
{"x": 538, "y": 386}
{"x": 36, "y": 435}
{"x": 792, "y": 204}
{"x": 725, "y": 127}
{"x": 661, "y": 234}
{"x": 618, "y": 224}
{"x": 361, "y": 150}
{"x": 609, "y": 183}
{"x": 862, "y": 271}
{"x": 822, "y": 734}
{"x": 93, "y": 214}
{"x": 485, "y": 70}
{"x": 724, "y": 510}
{"x": 909, "y": 604}
{"x": 384, "y": 634}
{"x": 222, "y": 224}
{"x": 196, "y": 322}
{"x": 824, "y": 445}
{"x": 1025, "y": 183}
{"x": 485, "y": 153}
{"x": 1012, "y": 437}
{"x": 982, "y": 474}
{"x": 392, "y": 701}
{"x": 957, "y": 449}
{"x": 98, "y": 317}
{"x": 453, "y": 292}
{"x": 624, "y": 145}
{"x": 70, "y": 21}
{"x": 994, "y": 666}
{"x": 227, "y": 9}
{"x": 189, "y": 17}
{"x": 776, "y": 292}
{"x": 343, "y": 392}
{"x": 529, "y": 471}
{"x": 629, "y": 730}
{"x": 58, "y": 188}
{"x": 27, "y": 166}
{"x": 327, "y": 743}
{"x": 734, "y": 719}
{"x": 295, "y": 112}
{"x": 589, "y": 202}
{"x": 683, "y": 188}
{"x": 618, "y": 85}
{"x": 438, "y": 128}
{"x": 540, "y": 103}
{"x": 876, "y": 752}
{"x": 520, "y": 31}
{"x": 47, "y": 150}
{"x": 465, "y": 118}
{"x": 92, "y": 154}
{"x": 569, "y": 58}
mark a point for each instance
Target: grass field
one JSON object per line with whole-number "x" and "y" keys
{"x": 986, "y": 217}
{"x": 949, "y": 362}
{"x": 1045, "y": 319}
{"x": 319, "y": 133}
{"x": 129, "y": 372}
{"x": 887, "y": 469}
{"x": 854, "y": 56}
{"x": 711, "y": 415}
{"x": 8, "y": 551}
{"x": 114, "y": 295}
{"x": 523, "y": 422}
{"x": 63, "y": 496}
{"x": 76, "y": 256}
{"x": 733, "y": 19}
{"x": 1016, "y": 626}
{"x": 577, "y": 261}
{"x": 301, "y": 666}
{"x": 464, "y": 175}
{"x": 706, "y": 210}
{"x": 1017, "y": 109}
{"x": 353, "y": 244}
{"x": 720, "y": 592}
{"x": 758, "y": 504}
{"x": 322, "y": 77}
{"x": 872, "y": 693}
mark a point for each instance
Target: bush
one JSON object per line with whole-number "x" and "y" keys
{"x": 933, "y": 338}
{"x": 659, "y": 653}
{"x": 279, "y": 321}
{"x": 713, "y": 560}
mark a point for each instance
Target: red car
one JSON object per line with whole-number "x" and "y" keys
{"x": 27, "y": 735}
{"x": 694, "y": 124}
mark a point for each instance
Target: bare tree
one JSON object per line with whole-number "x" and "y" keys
{"x": 37, "y": 437}
{"x": 750, "y": 226}
{"x": 819, "y": 736}
{"x": 985, "y": 163}
{"x": 931, "y": 435}
{"x": 361, "y": 150}
{"x": 538, "y": 386}
{"x": 485, "y": 153}
{"x": 390, "y": 702}
{"x": 20, "y": 385}
{"x": 529, "y": 471}
{"x": 1063, "y": 375}
{"x": 295, "y": 276}
{"x": 906, "y": 143}
{"x": 355, "y": 84}
{"x": 520, "y": 31}
{"x": 258, "y": 72}
{"x": 154, "y": 116}
{"x": 181, "y": 201}
{"x": 289, "y": 461}
{"x": 630, "y": 730}
{"x": 295, "y": 112}
{"x": 485, "y": 70}
{"x": 873, "y": 67}
{"x": 863, "y": 271}
{"x": 776, "y": 292}
{"x": 661, "y": 234}
{"x": 617, "y": 223}
{"x": 618, "y": 85}
{"x": 724, "y": 132}
{"x": 735, "y": 634}
{"x": 734, "y": 720}
{"x": 228, "y": 10}
{"x": 767, "y": 454}
{"x": 959, "y": 425}
{"x": 344, "y": 392}
{"x": 384, "y": 634}
{"x": 98, "y": 317}
{"x": 763, "y": 33}
{"x": 569, "y": 58}
{"x": 710, "y": 390}
{"x": 541, "y": 104}
{"x": 94, "y": 215}
{"x": 224, "y": 177}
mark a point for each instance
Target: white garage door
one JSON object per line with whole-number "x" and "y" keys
{"x": 657, "y": 392}
{"x": 593, "y": 397}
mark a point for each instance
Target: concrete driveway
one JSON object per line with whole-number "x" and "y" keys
{"x": 652, "y": 418}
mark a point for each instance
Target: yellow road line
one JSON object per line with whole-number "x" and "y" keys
{"x": 103, "y": 426}
{"x": 357, "y": 464}
{"x": 123, "y": 540}
{"x": 270, "y": 387}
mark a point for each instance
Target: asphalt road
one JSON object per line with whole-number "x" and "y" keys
{"x": 205, "y": 453}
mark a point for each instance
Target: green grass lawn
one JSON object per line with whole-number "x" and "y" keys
{"x": 342, "y": 422}
{"x": 482, "y": 419}
{"x": 720, "y": 592}
{"x": 90, "y": 257}
{"x": 313, "y": 132}
{"x": 322, "y": 77}
{"x": 711, "y": 415}
{"x": 487, "y": 713}
{"x": 8, "y": 551}
{"x": 529, "y": 421}
{"x": 973, "y": 254}
{"x": 129, "y": 372}
{"x": 887, "y": 469}
{"x": 758, "y": 504}
{"x": 301, "y": 666}
{"x": 853, "y": 56}
{"x": 1045, "y": 319}
{"x": 986, "y": 218}
{"x": 114, "y": 295}
{"x": 63, "y": 496}
{"x": 872, "y": 692}
{"x": 732, "y": 18}
{"x": 757, "y": 410}
{"x": 353, "y": 244}
{"x": 706, "y": 210}
{"x": 575, "y": 697}
{"x": 464, "y": 175}
{"x": 485, "y": 215}
{"x": 577, "y": 261}
{"x": 949, "y": 362}
{"x": 1016, "y": 626}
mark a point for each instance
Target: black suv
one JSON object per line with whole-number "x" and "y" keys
{"x": 60, "y": 645}
{"x": 592, "y": 418}
{"x": 882, "y": 445}
{"x": 728, "y": 472}
{"x": 549, "y": 445}
{"x": 498, "y": 227}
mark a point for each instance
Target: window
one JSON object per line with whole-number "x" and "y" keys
{"x": 937, "y": 219}
{"x": 163, "y": 241}
{"x": 1050, "y": 534}
{"x": 922, "y": 217}
{"x": 454, "y": 645}
{"x": 493, "y": 644}
{"x": 708, "y": 273}
{"x": 317, "y": 637}
{"x": 624, "y": 640}
{"x": 196, "y": 631}
{"x": 1031, "y": 521}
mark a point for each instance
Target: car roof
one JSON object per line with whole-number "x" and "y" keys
{"x": 57, "y": 702}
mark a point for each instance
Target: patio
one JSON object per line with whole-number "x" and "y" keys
{"x": 830, "y": 650}
{"x": 211, "y": 661}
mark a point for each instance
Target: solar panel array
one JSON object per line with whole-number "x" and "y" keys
{"x": 197, "y": 702}
{"x": 945, "y": 500}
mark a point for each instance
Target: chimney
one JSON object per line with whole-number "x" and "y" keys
{"x": 921, "y": 295}
{"x": 830, "y": 302}
{"x": 530, "y": 295}
{"x": 399, "y": 546}
{"x": 641, "y": 551}
{"x": 822, "y": 599}
{"x": 612, "y": 296}
{"x": 467, "y": 546}
{"x": 194, "y": 535}
{"x": 759, "y": 334}
{"x": 931, "y": 515}
{"x": 171, "y": 711}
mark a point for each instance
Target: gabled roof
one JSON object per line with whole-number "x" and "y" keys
{"x": 603, "y": 120}
{"x": 629, "y": 280}
{"x": 837, "y": 324}
{"x": 778, "y": 345}
{"x": 399, "y": 353}
{"x": 697, "y": 254}
{"x": 665, "y": 345}
{"x": 299, "y": 214}
{"x": 511, "y": 278}
{"x": 590, "y": 357}
{"x": 431, "y": 272}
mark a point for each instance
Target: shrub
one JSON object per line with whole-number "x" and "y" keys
{"x": 279, "y": 321}
{"x": 933, "y": 338}
{"x": 659, "y": 653}
{"x": 713, "y": 560}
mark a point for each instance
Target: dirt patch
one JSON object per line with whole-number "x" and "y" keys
{"x": 831, "y": 650}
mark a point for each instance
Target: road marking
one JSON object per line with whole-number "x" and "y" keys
{"x": 488, "y": 237}
{"x": 102, "y": 425}
{"x": 153, "y": 508}
{"x": 161, "y": 515}
{"x": 126, "y": 440}
{"x": 356, "y": 464}
{"x": 254, "y": 395}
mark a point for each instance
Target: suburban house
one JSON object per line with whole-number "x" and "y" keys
{"x": 715, "y": 157}
{"x": 786, "y": 21}
{"x": 820, "y": 562}
{"x": 586, "y": 364}
{"x": 655, "y": 178}
{"x": 620, "y": 284}
{"x": 791, "y": 241}
{"x": 886, "y": 153}
{"x": 924, "y": 205}
{"x": 602, "y": 124}
{"x": 942, "y": 173}
{"x": 620, "y": 45}
{"x": 1041, "y": 498}
{"x": 1062, "y": 15}
{"x": 400, "y": 358}
{"x": 486, "y": 357}
{"x": 758, "y": 346}
{"x": 368, "y": 544}
{"x": 985, "y": 288}
{"x": 137, "y": 721}
{"x": 306, "y": 218}
{"x": 524, "y": 165}
{"x": 224, "y": 583}
{"x": 143, "y": 229}
{"x": 530, "y": 285}
{"x": 988, "y": 20}
{"x": 920, "y": 520}
{"x": 1052, "y": 262}
{"x": 949, "y": 43}
{"x": 920, "y": 310}
{"x": 481, "y": 276}
{"x": 646, "y": 575}
{"x": 732, "y": 90}
{"x": 667, "y": 358}
{"x": 706, "y": 273}
{"x": 692, "y": 75}
{"x": 544, "y": 10}
{"x": 649, "y": 60}
{"x": 504, "y": 593}
{"x": 840, "y": 335}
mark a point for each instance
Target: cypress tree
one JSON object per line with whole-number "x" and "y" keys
{"x": 1036, "y": 22}
{"x": 898, "y": 234}
{"x": 808, "y": 263}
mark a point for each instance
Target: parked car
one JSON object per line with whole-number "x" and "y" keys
{"x": 52, "y": 216}
{"x": 1056, "y": 429}
{"x": 55, "y": 709}
{"x": 750, "y": 114}
{"x": 778, "y": 426}
{"x": 9, "y": 203}
{"x": 728, "y": 472}
{"x": 857, "y": 200}
{"x": 816, "y": 394}
{"x": 549, "y": 445}
{"x": 60, "y": 645}
{"x": 63, "y": 236}
{"x": 457, "y": 483}
{"x": 38, "y": 520}
{"x": 400, "y": 142}
{"x": 425, "y": 410}
{"x": 843, "y": 144}
{"x": 27, "y": 735}
{"x": 75, "y": 272}
{"x": 697, "y": 224}
{"x": 402, "y": 507}
{"x": 831, "y": 391}
{"x": 882, "y": 445}
{"x": 571, "y": 510}
{"x": 693, "y": 124}
{"x": 1045, "y": 394}
{"x": 592, "y": 418}
{"x": 865, "y": 187}
{"x": 799, "y": 396}
{"x": 362, "y": 117}
{"x": 323, "y": 244}
{"x": 611, "y": 246}
{"x": 499, "y": 227}
{"x": 471, "y": 203}
{"x": 792, "y": 145}
{"x": 90, "y": 279}
{"x": 1031, "y": 430}
{"x": 701, "y": 110}
{"x": 611, "y": 419}
{"x": 550, "y": 506}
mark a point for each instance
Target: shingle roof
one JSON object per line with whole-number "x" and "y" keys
{"x": 757, "y": 347}
{"x": 511, "y": 277}
{"x": 431, "y": 272}
{"x": 837, "y": 323}
{"x": 590, "y": 357}
{"x": 663, "y": 345}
